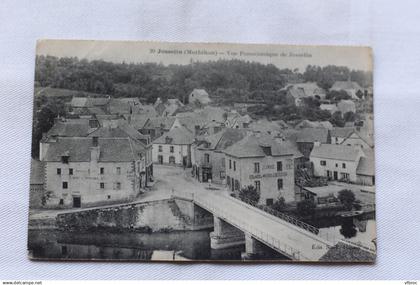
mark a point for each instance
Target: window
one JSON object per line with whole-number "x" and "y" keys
{"x": 172, "y": 159}
{"x": 206, "y": 158}
{"x": 345, "y": 176}
{"x": 109, "y": 197}
{"x": 160, "y": 148}
{"x": 222, "y": 175}
{"x": 102, "y": 170}
{"x": 344, "y": 165}
{"x": 257, "y": 185}
{"x": 70, "y": 171}
{"x": 234, "y": 166}
{"x": 230, "y": 164}
{"x": 65, "y": 159}
{"x": 279, "y": 166}
{"x": 118, "y": 185}
{"x": 336, "y": 165}
{"x": 102, "y": 185}
{"x": 59, "y": 171}
{"x": 323, "y": 162}
{"x": 171, "y": 149}
{"x": 279, "y": 184}
{"x": 118, "y": 170}
{"x": 61, "y": 202}
{"x": 256, "y": 167}
{"x": 65, "y": 185}
{"x": 228, "y": 180}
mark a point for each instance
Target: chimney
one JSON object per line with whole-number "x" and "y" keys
{"x": 95, "y": 141}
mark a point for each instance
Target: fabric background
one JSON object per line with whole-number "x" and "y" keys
{"x": 392, "y": 28}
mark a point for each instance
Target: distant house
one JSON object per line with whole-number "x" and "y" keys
{"x": 296, "y": 92}
{"x": 168, "y": 108}
{"x": 123, "y": 106}
{"x": 306, "y": 138}
{"x": 208, "y": 159}
{"x": 345, "y": 106}
{"x": 344, "y": 163}
{"x": 332, "y": 108}
{"x": 338, "y": 135}
{"x": 199, "y": 96}
{"x": 355, "y": 138}
{"x": 350, "y": 87}
{"x": 155, "y": 127}
{"x": 235, "y": 120}
{"x": 174, "y": 147}
{"x": 266, "y": 127}
{"x": 314, "y": 124}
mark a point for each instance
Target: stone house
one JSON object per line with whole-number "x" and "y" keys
{"x": 174, "y": 147}
{"x": 208, "y": 158}
{"x": 265, "y": 163}
{"x": 343, "y": 163}
{"x": 89, "y": 171}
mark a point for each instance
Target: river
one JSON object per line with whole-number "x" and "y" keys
{"x": 191, "y": 245}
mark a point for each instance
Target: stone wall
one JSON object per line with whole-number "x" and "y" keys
{"x": 154, "y": 216}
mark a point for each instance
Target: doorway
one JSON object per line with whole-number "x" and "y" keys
{"x": 160, "y": 159}
{"x": 77, "y": 201}
{"x": 335, "y": 175}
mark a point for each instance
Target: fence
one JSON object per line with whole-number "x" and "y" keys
{"x": 241, "y": 224}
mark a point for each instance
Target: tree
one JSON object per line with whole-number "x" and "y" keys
{"x": 279, "y": 205}
{"x": 349, "y": 116}
{"x": 337, "y": 120}
{"x": 346, "y": 198}
{"x": 249, "y": 193}
{"x": 306, "y": 207}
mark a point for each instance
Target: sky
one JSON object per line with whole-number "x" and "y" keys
{"x": 283, "y": 56}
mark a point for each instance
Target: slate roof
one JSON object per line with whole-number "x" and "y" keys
{"x": 314, "y": 124}
{"x": 122, "y": 130}
{"x": 160, "y": 122}
{"x": 342, "y": 132}
{"x": 346, "y": 85}
{"x": 311, "y": 135}
{"x": 225, "y": 138}
{"x": 37, "y": 172}
{"x": 337, "y": 152}
{"x": 72, "y": 128}
{"x": 178, "y": 136}
{"x": 251, "y": 146}
{"x": 310, "y": 88}
{"x": 79, "y": 150}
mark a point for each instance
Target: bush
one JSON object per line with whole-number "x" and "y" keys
{"x": 306, "y": 207}
{"x": 279, "y": 205}
{"x": 249, "y": 193}
{"x": 346, "y": 198}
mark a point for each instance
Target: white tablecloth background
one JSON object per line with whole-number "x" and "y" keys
{"x": 392, "y": 28}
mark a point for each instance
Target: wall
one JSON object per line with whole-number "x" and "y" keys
{"x": 36, "y": 192}
{"x": 179, "y": 152}
{"x": 217, "y": 162}
{"x": 321, "y": 170}
{"x": 154, "y": 216}
{"x": 85, "y": 182}
{"x": 268, "y": 176}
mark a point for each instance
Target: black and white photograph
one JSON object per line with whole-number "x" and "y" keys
{"x": 202, "y": 152}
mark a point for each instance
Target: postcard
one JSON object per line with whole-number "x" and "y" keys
{"x": 205, "y": 152}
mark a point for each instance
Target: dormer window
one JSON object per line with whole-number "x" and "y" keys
{"x": 168, "y": 140}
{"x": 65, "y": 159}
